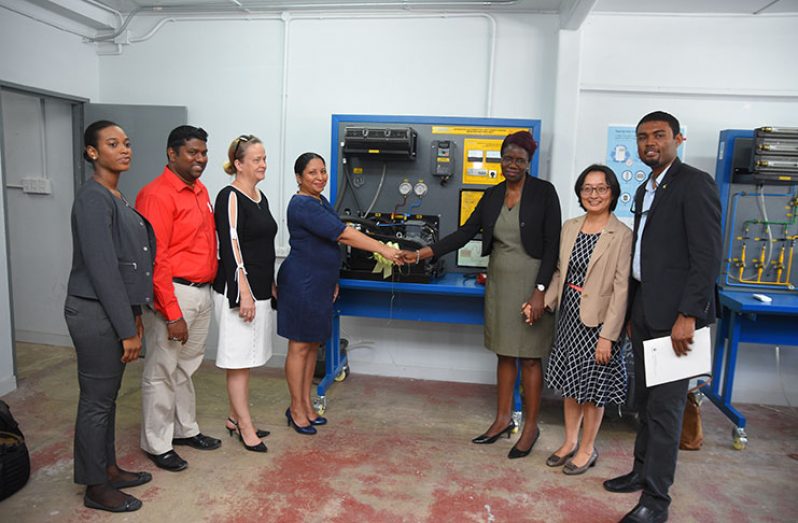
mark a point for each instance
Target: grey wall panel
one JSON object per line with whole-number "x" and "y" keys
{"x": 147, "y": 126}
{"x": 38, "y": 143}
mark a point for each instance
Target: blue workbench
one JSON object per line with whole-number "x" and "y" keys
{"x": 454, "y": 298}
{"x": 744, "y": 319}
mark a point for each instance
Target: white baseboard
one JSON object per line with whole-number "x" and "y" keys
{"x": 7, "y": 384}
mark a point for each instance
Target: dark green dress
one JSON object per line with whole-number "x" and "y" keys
{"x": 511, "y": 280}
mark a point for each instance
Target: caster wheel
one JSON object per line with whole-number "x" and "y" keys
{"x": 320, "y": 405}
{"x": 739, "y": 438}
{"x": 343, "y": 374}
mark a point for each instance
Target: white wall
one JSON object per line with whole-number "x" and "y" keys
{"x": 713, "y": 74}
{"x": 231, "y": 81}
{"x": 36, "y": 55}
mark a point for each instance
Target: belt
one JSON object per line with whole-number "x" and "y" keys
{"x": 183, "y": 281}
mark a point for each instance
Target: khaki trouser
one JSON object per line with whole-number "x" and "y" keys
{"x": 167, "y": 392}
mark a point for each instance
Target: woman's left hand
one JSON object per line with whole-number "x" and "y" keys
{"x": 139, "y": 327}
{"x": 534, "y": 307}
{"x": 131, "y": 348}
{"x": 603, "y": 351}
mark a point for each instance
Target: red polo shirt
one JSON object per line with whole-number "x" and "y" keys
{"x": 185, "y": 236}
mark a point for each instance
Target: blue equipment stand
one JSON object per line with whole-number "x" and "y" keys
{"x": 744, "y": 319}
{"x": 454, "y": 298}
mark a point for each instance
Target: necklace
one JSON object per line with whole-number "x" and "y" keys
{"x": 253, "y": 194}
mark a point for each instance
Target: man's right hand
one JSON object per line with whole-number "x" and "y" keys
{"x": 178, "y": 331}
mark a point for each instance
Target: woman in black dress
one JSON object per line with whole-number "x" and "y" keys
{"x": 111, "y": 279}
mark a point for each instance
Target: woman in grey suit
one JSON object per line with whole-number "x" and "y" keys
{"x": 111, "y": 279}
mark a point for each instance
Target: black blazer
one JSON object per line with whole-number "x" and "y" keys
{"x": 681, "y": 247}
{"x": 113, "y": 250}
{"x": 539, "y": 217}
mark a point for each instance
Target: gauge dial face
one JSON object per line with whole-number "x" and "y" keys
{"x": 405, "y": 188}
{"x": 420, "y": 189}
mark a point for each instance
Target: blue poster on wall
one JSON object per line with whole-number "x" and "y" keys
{"x": 622, "y": 158}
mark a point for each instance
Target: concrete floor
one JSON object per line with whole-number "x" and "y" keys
{"x": 395, "y": 450}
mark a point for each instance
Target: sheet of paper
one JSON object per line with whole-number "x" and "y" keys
{"x": 664, "y": 366}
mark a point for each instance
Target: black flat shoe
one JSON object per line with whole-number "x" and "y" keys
{"x": 199, "y": 442}
{"x": 631, "y": 482}
{"x": 307, "y": 431}
{"x": 644, "y": 514}
{"x": 516, "y": 453}
{"x": 168, "y": 461}
{"x": 140, "y": 479}
{"x": 484, "y": 439}
{"x": 258, "y": 432}
{"x": 129, "y": 505}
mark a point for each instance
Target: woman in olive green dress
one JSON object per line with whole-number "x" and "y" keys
{"x": 520, "y": 224}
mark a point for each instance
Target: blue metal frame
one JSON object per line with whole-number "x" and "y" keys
{"x": 451, "y": 299}
{"x": 746, "y": 320}
{"x": 743, "y": 319}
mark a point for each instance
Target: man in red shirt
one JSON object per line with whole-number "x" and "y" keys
{"x": 178, "y": 206}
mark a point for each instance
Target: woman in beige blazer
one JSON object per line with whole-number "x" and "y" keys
{"x": 590, "y": 289}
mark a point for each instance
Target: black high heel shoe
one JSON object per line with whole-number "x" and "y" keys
{"x": 484, "y": 439}
{"x": 260, "y": 447}
{"x": 258, "y": 432}
{"x": 307, "y": 431}
{"x": 516, "y": 453}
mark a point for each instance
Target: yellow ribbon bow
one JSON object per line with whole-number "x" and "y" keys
{"x": 384, "y": 265}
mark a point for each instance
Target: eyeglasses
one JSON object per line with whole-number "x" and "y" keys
{"x": 243, "y": 138}
{"x": 601, "y": 190}
{"x": 514, "y": 159}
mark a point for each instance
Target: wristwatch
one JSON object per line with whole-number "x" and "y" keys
{"x": 540, "y": 287}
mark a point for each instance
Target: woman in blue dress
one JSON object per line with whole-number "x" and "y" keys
{"x": 307, "y": 283}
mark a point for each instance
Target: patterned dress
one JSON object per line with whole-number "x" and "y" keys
{"x": 572, "y": 366}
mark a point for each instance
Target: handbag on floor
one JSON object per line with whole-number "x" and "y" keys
{"x": 692, "y": 429}
{"x": 14, "y": 457}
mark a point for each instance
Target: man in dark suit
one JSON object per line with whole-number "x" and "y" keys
{"x": 675, "y": 262}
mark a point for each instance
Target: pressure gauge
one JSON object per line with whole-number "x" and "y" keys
{"x": 420, "y": 189}
{"x": 405, "y": 188}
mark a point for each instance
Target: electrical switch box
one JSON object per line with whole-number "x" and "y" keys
{"x": 442, "y": 158}
{"x": 37, "y": 186}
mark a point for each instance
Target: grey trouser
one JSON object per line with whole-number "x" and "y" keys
{"x": 100, "y": 371}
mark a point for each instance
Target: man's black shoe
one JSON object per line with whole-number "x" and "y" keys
{"x": 168, "y": 461}
{"x": 631, "y": 482}
{"x": 199, "y": 442}
{"x": 644, "y": 514}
